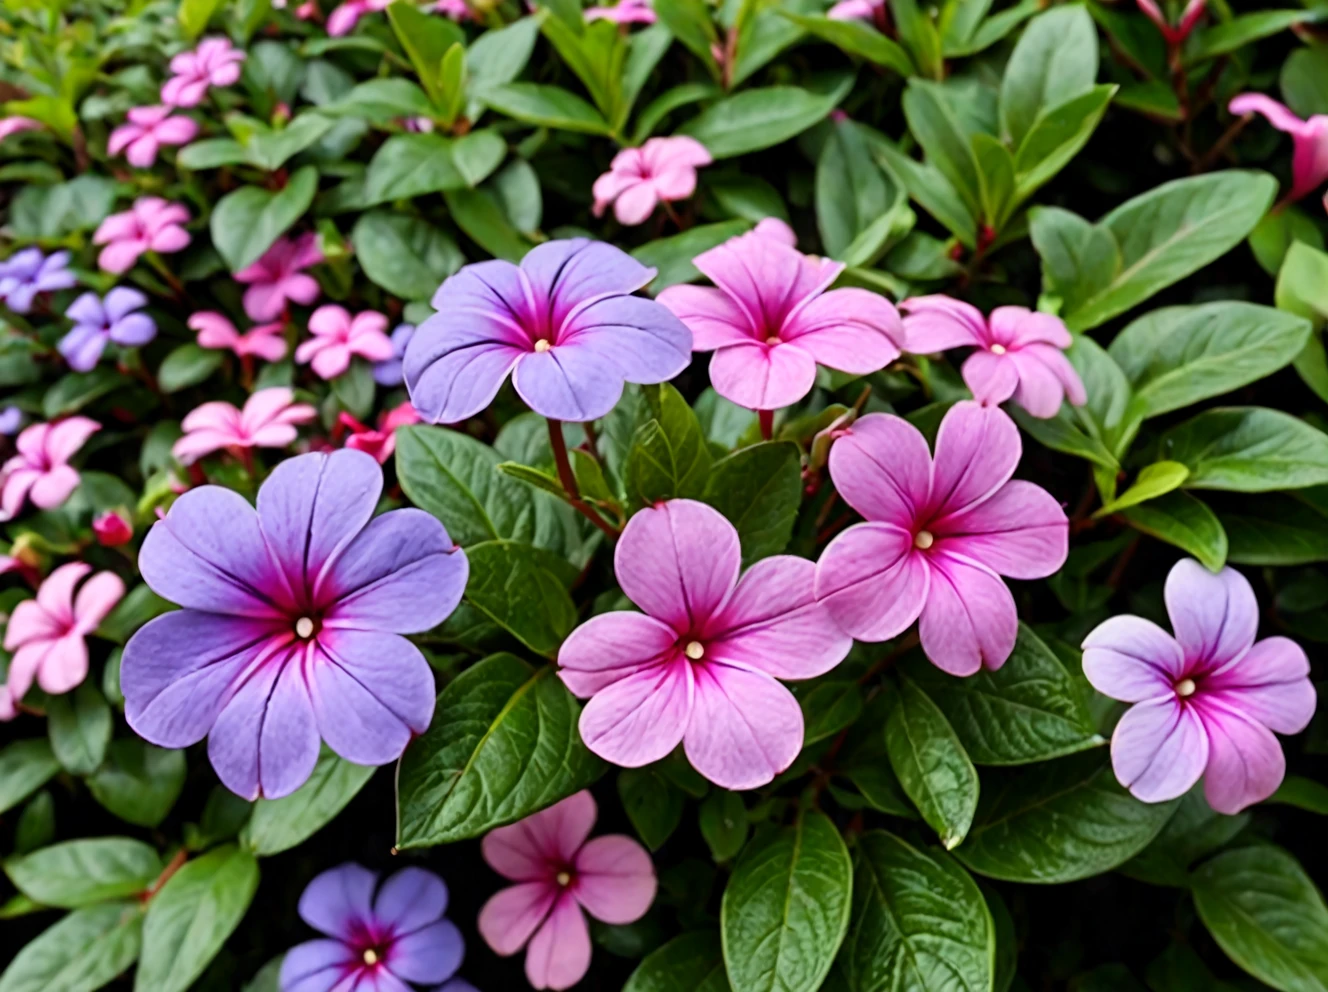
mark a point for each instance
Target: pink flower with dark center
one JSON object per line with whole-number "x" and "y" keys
{"x": 338, "y": 337}
{"x": 16, "y": 124}
{"x": 147, "y": 130}
{"x": 277, "y": 277}
{"x": 215, "y": 62}
{"x": 1206, "y": 700}
{"x": 41, "y": 470}
{"x": 770, "y": 320}
{"x": 939, "y": 535}
{"x": 380, "y": 443}
{"x": 152, "y": 224}
{"x": 266, "y": 341}
{"x": 663, "y": 169}
{"x": 1019, "y": 351}
{"x": 344, "y": 18}
{"x": 1309, "y": 161}
{"x": 700, "y": 664}
{"x": 628, "y": 12}
{"x": 561, "y": 876}
{"x": 267, "y": 421}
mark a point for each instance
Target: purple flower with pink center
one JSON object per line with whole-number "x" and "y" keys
{"x": 1207, "y": 699}
{"x": 27, "y": 273}
{"x": 939, "y": 535}
{"x": 99, "y": 322}
{"x": 699, "y": 665}
{"x": 378, "y": 937}
{"x": 292, "y": 622}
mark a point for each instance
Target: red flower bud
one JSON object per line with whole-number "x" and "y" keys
{"x": 112, "y": 529}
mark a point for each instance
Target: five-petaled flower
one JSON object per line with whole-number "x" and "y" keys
{"x": 560, "y": 876}
{"x": 338, "y": 337}
{"x": 770, "y": 321}
{"x": 265, "y": 341}
{"x": 938, "y": 535}
{"x": 563, "y": 323}
{"x": 700, "y": 664}
{"x": 40, "y": 471}
{"x": 661, "y": 170}
{"x": 279, "y": 277}
{"x": 267, "y": 421}
{"x": 1206, "y": 700}
{"x": 374, "y": 942}
{"x": 292, "y": 622}
{"x": 28, "y": 272}
{"x": 97, "y": 322}
{"x": 1019, "y": 352}
{"x": 147, "y": 129}
{"x": 151, "y": 224}
{"x": 1309, "y": 161}
{"x": 215, "y": 62}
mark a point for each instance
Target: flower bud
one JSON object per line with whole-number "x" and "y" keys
{"x": 112, "y": 529}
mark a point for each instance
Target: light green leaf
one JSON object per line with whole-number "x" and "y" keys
{"x": 1185, "y": 521}
{"x": 194, "y": 16}
{"x": 83, "y": 872}
{"x": 186, "y": 366}
{"x": 247, "y": 221}
{"x": 932, "y": 765}
{"x": 407, "y": 256}
{"x": 1249, "y": 449}
{"x": 86, "y": 950}
{"x": 277, "y": 825}
{"x": 851, "y": 190}
{"x": 1152, "y": 481}
{"x": 1055, "y": 60}
{"x": 761, "y": 118}
{"x": 477, "y": 213}
{"x": 25, "y": 766}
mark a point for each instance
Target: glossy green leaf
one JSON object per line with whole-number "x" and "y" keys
{"x": 1277, "y": 530}
{"x": 1249, "y": 449}
{"x": 139, "y": 782}
{"x": 83, "y": 872}
{"x": 759, "y": 489}
{"x": 761, "y": 118}
{"x": 692, "y": 961}
{"x": 1153, "y": 481}
{"x": 405, "y": 255}
{"x": 25, "y": 766}
{"x": 515, "y": 586}
{"x": 79, "y": 723}
{"x": 1185, "y": 521}
{"x": 933, "y": 767}
{"x": 83, "y": 952}
{"x": 857, "y": 38}
{"x": 277, "y": 825}
{"x": 669, "y": 457}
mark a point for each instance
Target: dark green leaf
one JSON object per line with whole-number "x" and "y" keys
{"x": 763, "y": 117}
{"x": 1276, "y": 530}
{"x": 280, "y": 824}
{"x": 82, "y": 872}
{"x": 652, "y": 803}
{"x": 673, "y": 256}
{"x": 723, "y": 820}
{"x": 25, "y": 766}
{"x": 857, "y": 38}
{"x": 186, "y": 366}
{"x": 83, "y": 952}
{"x": 669, "y": 457}
{"x": 1249, "y": 449}
{"x": 693, "y": 961}
{"x": 247, "y": 221}
{"x": 1056, "y": 59}
{"x": 513, "y": 585}
{"x": 80, "y": 727}
{"x": 139, "y": 783}
{"x": 546, "y": 106}
{"x": 1185, "y": 521}
{"x": 759, "y": 489}
{"x": 407, "y": 256}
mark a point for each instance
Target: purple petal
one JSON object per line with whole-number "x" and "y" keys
{"x": 871, "y": 582}
{"x": 459, "y": 382}
{"x": 745, "y": 727}
{"x": 1215, "y": 617}
{"x": 639, "y": 338}
{"x": 339, "y": 901}
{"x": 568, "y": 383}
{"x": 882, "y": 469}
{"x": 1021, "y": 532}
{"x": 1270, "y": 683}
{"x": 315, "y": 966}
{"x": 122, "y": 300}
{"x": 1159, "y": 749}
{"x": 1132, "y": 659}
{"x": 83, "y": 346}
{"x": 430, "y": 954}
{"x": 1245, "y": 762}
{"x": 969, "y": 621}
{"x": 87, "y": 309}
{"x": 566, "y": 274}
{"x": 641, "y": 718}
{"x": 133, "y": 330}
{"x": 409, "y": 900}
{"x": 611, "y": 646}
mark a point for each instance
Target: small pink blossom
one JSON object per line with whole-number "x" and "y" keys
{"x": 278, "y": 277}
{"x": 627, "y": 12}
{"x": 148, "y": 129}
{"x": 1207, "y": 699}
{"x": 457, "y": 10}
{"x": 15, "y": 124}
{"x": 308, "y": 11}
{"x": 380, "y": 443}
{"x": 1019, "y": 351}
{"x": 263, "y": 340}
{"x": 267, "y": 421}
{"x": 1309, "y": 161}
{"x": 151, "y": 224}
{"x": 344, "y": 18}
{"x": 46, "y": 634}
{"x": 338, "y": 337}
{"x": 215, "y": 62}
{"x": 939, "y": 534}
{"x": 561, "y": 875}
{"x": 112, "y": 529}
{"x": 700, "y": 664}
{"x": 856, "y": 10}
{"x": 639, "y": 178}
{"x": 41, "y": 470}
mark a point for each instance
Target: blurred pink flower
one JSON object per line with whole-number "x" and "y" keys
{"x": 1188, "y": 19}
{"x": 380, "y": 443}
{"x": 151, "y": 224}
{"x": 457, "y": 10}
{"x": 215, "y": 62}
{"x": 41, "y": 470}
{"x": 639, "y": 178}
{"x": 856, "y": 10}
{"x": 344, "y": 18}
{"x": 338, "y": 337}
{"x": 278, "y": 277}
{"x": 263, "y": 340}
{"x": 1309, "y": 161}
{"x": 776, "y": 230}
{"x": 267, "y": 421}
{"x": 627, "y": 12}
{"x": 561, "y": 875}
{"x": 13, "y": 125}
{"x": 149, "y": 128}
{"x": 112, "y": 529}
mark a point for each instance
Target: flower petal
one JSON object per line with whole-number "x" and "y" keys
{"x": 338, "y": 901}
{"x": 615, "y": 879}
{"x": 512, "y": 914}
{"x": 1132, "y": 659}
{"x": 315, "y": 966}
{"x": 568, "y": 383}
{"x": 991, "y": 378}
{"x": 1159, "y": 749}
{"x": 559, "y": 953}
{"x": 871, "y": 582}
{"x": 1021, "y": 532}
{"x": 709, "y": 313}
{"x": 568, "y": 274}
{"x": 882, "y": 469}
{"x": 639, "y": 338}
{"x": 1215, "y": 617}
{"x": 408, "y": 900}
{"x": 969, "y": 620}
{"x": 430, "y": 954}
{"x": 538, "y": 846}
{"x": 938, "y": 323}
{"x": 1270, "y": 683}
{"x": 977, "y": 449}
{"x": 1245, "y": 761}
{"x": 853, "y": 330}
{"x": 641, "y": 718}
{"x": 762, "y": 377}
{"x": 745, "y": 727}
{"x": 610, "y": 647}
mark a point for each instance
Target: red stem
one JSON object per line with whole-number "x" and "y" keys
{"x": 176, "y": 863}
{"x": 767, "y": 419}
{"x": 568, "y": 478}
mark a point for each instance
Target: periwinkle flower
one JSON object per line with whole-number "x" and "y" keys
{"x": 278, "y": 277}
{"x": 28, "y": 272}
{"x": 11, "y": 420}
{"x": 40, "y": 471}
{"x": 267, "y": 421}
{"x": 1309, "y": 161}
{"x": 661, "y": 170}
{"x": 215, "y": 62}
{"x": 97, "y": 322}
{"x": 146, "y": 130}
{"x": 389, "y": 372}
{"x": 151, "y": 224}
{"x": 291, "y": 623}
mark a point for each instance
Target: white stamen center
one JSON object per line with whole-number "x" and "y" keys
{"x": 304, "y": 627}
{"x": 998, "y": 349}
{"x": 773, "y": 339}
{"x": 542, "y": 345}
{"x": 1185, "y": 687}
{"x": 694, "y": 650}
{"x": 370, "y": 956}
{"x": 924, "y": 540}
{"x": 563, "y": 878}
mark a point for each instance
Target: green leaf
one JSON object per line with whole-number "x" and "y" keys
{"x": 76, "y": 390}
{"x": 517, "y": 188}
{"x": 669, "y": 457}
{"x": 1194, "y": 831}
{"x": 931, "y": 763}
{"x": 270, "y": 148}
{"x": 1077, "y": 256}
{"x": 1059, "y": 822}
{"x": 933, "y": 192}
{"x": 546, "y": 106}
{"x": 1152, "y": 481}
{"x": 1056, "y": 137}
{"x": 194, "y": 16}
{"x": 1302, "y": 793}
{"x": 410, "y": 165}
{"x": 1249, "y": 449}
{"x": 934, "y": 119}
{"x": 426, "y": 40}
{"x": 1240, "y": 31}
{"x": 723, "y": 821}
{"x": 25, "y": 766}
{"x": 691, "y": 23}
{"x": 512, "y": 585}
{"x": 191, "y": 916}
{"x": 786, "y": 908}
{"x": 137, "y": 608}
{"x": 139, "y": 783}
{"x": 503, "y": 744}
{"x": 378, "y": 100}
{"x": 672, "y": 256}
{"x": 851, "y": 190}
{"x": 670, "y": 100}
{"x": 692, "y": 961}
{"x": 1267, "y": 915}
{"x": 652, "y": 803}
{"x": 497, "y": 57}
{"x": 452, "y": 82}
{"x": 995, "y": 179}
{"x": 247, "y": 221}
{"x": 1277, "y": 530}
{"x": 186, "y": 366}
{"x": 1185, "y": 521}
{"x": 828, "y": 707}
{"x": 759, "y": 489}
{"x": 478, "y": 214}
{"x": 53, "y": 211}
{"x": 1055, "y": 60}
{"x": 405, "y": 255}
{"x": 766, "y": 116}
{"x": 920, "y": 923}
{"x": 86, "y": 950}
{"x": 1273, "y": 236}
{"x": 82, "y": 872}
{"x": 857, "y": 38}
{"x": 1304, "y": 81}
{"x": 36, "y": 824}
{"x": 918, "y": 33}
{"x": 277, "y": 825}
{"x": 80, "y": 727}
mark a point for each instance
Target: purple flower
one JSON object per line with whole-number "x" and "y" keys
{"x": 563, "y": 323}
{"x": 291, "y": 623}
{"x": 29, "y": 272}
{"x": 98, "y": 321}
{"x": 388, "y": 371}
{"x": 11, "y": 419}
{"x": 374, "y": 943}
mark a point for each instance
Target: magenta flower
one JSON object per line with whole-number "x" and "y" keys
{"x": 344, "y": 18}
{"x": 147, "y": 130}
{"x": 373, "y": 943}
{"x": 338, "y": 337}
{"x": 151, "y": 224}
{"x": 1019, "y": 351}
{"x": 699, "y": 665}
{"x": 264, "y": 340}
{"x": 382, "y": 442}
{"x": 277, "y": 277}
{"x": 1188, "y": 19}
{"x": 28, "y": 272}
{"x": 291, "y": 623}
{"x": 663, "y": 169}
{"x": 628, "y": 12}
{"x": 1206, "y": 700}
{"x": 112, "y": 529}
{"x": 16, "y": 124}
{"x": 770, "y": 321}
{"x": 1309, "y": 161}
{"x": 215, "y": 62}
{"x": 563, "y": 323}
{"x": 41, "y": 469}
{"x": 939, "y": 535}
{"x": 267, "y": 421}
{"x": 856, "y": 10}
{"x": 560, "y": 876}
{"x": 46, "y": 634}
{"x": 98, "y": 322}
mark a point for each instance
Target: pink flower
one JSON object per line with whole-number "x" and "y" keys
{"x": 344, "y": 18}
{"x": 112, "y": 529}
{"x": 699, "y": 666}
{"x": 267, "y": 421}
{"x": 381, "y": 442}
{"x": 457, "y": 10}
{"x": 1019, "y": 351}
{"x": 939, "y": 534}
{"x": 215, "y": 62}
{"x": 263, "y": 340}
{"x": 41, "y": 468}
{"x": 13, "y": 125}
{"x": 151, "y": 224}
{"x": 770, "y": 320}
{"x": 46, "y": 634}
{"x": 638, "y": 178}
{"x": 1206, "y": 700}
{"x": 338, "y": 337}
{"x": 1309, "y": 161}
{"x": 278, "y": 277}
{"x": 560, "y": 874}
{"x": 628, "y": 12}
{"x": 856, "y": 10}
{"x": 147, "y": 130}
{"x": 1188, "y": 19}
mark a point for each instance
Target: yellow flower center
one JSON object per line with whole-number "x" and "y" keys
{"x": 998, "y": 349}
{"x": 542, "y": 345}
{"x": 924, "y": 540}
{"x": 563, "y": 878}
{"x": 370, "y": 956}
{"x": 694, "y": 650}
{"x": 304, "y": 627}
{"x": 1185, "y": 687}
{"x": 773, "y": 339}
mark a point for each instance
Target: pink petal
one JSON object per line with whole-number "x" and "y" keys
{"x": 745, "y": 727}
{"x": 1041, "y": 389}
{"x": 116, "y": 227}
{"x": 1159, "y": 749}
{"x": 852, "y": 330}
{"x": 937, "y": 323}
{"x": 331, "y": 362}
{"x": 56, "y": 595}
{"x": 559, "y": 953}
{"x": 635, "y": 204}
{"x": 1215, "y": 617}
{"x": 65, "y": 665}
{"x": 675, "y": 182}
{"x": 1022, "y": 327}
{"x": 170, "y": 239}
{"x": 1245, "y": 762}
{"x": 330, "y": 320}
{"x": 30, "y": 622}
{"x": 977, "y": 449}
{"x": 610, "y": 647}
{"x": 262, "y": 300}
{"x": 16, "y": 487}
{"x": 120, "y": 256}
{"x": 542, "y": 844}
{"x": 615, "y": 879}
{"x": 1270, "y": 683}
{"x": 197, "y": 444}
{"x": 1132, "y": 659}
{"x": 512, "y": 914}
{"x": 96, "y": 599}
{"x": 871, "y": 582}
{"x": 641, "y": 718}
{"x": 882, "y": 469}
{"x": 176, "y": 131}
{"x": 991, "y": 378}
{"x": 1278, "y": 115}
{"x": 301, "y": 288}
{"x": 969, "y": 621}
{"x": 142, "y": 151}
{"x": 762, "y": 377}
{"x": 53, "y": 488}
{"x": 122, "y": 137}
{"x": 609, "y": 185}
{"x": 263, "y": 407}
{"x": 767, "y": 279}
{"x": 710, "y": 314}
{"x": 1021, "y": 532}
{"x": 68, "y": 436}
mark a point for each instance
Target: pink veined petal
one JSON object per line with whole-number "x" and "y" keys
{"x": 611, "y": 646}
{"x": 1041, "y": 389}
{"x": 615, "y": 879}
{"x": 871, "y": 581}
{"x": 991, "y": 378}
{"x": 938, "y": 323}
{"x": 1270, "y": 683}
{"x": 709, "y": 313}
{"x": 64, "y": 666}
{"x": 1039, "y": 356}
{"x": 1245, "y": 761}
{"x": 675, "y": 182}
{"x": 53, "y": 488}
{"x": 1215, "y": 617}
{"x": 762, "y": 377}
{"x": 1021, "y": 532}
{"x": 30, "y": 622}
{"x": 977, "y": 449}
{"x": 969, "y": 621}
{"x": 852, "y": 330}
{"x": 512, "y": 914}
{"x": 68, "y": 436}
{"x": 882, "y": 469}
{"x": 559, "y": 953}
{"x": 542, "y": 844}
{"x": 1022, "y": 327}
{"x": 261, "y": 408}
{"x": 745, "y": 727}
{"x": 767, "y": 279}
{"x": 56, "y": 595}
{"x": 635, "y": 204}
{"x": 641, "y": 718}
{"x": 96, "y": 599}
{"x": 330, "y": 320}
{"x": 1132, "y": 659}
{"x": 609, "y": 186}
{"x": 339, "y": 899}
{"x": 1159, "y": 749}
